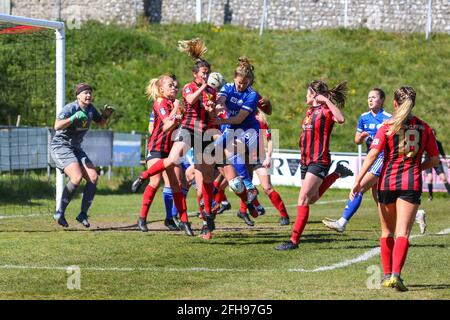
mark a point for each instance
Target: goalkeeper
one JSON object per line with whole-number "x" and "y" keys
{"x": 71, "y": 125}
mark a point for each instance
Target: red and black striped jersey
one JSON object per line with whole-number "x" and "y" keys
{"x": 403, "y": 154}
{"x": 315, "y": 138}
{"x": 195, "y": 115}
{"x": 159, "y": 140}
{"x": 264, "y": 131}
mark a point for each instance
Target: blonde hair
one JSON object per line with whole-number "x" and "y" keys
{"x": 406, "y": 99}
{"x": 153, "y": 88}
{"x": 196, "y": 49}
{"x": 245, "y": 69}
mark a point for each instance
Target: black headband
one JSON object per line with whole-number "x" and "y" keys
{"x": 82, "y": 87}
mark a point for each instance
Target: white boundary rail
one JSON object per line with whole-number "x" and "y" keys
{"x": 58, "y": 26}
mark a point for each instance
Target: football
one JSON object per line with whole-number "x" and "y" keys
{"x": 216, "y": 80}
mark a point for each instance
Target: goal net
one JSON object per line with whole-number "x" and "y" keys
{"x": 31, "y": 93}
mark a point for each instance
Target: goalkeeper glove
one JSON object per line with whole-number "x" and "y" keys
{"x": 79, "y": 115}
{"x": 107, "y": 111}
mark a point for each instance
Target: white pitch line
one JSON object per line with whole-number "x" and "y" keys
{"x": 364, "y": 257}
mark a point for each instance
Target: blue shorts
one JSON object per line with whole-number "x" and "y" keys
{"x": 375, "y": 169}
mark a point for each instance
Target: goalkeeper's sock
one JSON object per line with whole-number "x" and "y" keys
{"x": 67, "y": 194}
{"x": 88, "y": 196}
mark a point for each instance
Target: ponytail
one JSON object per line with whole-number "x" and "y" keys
{"x": 406, "y": 100}
{"x": 196, "y": 49}
{"x": 152, "y": 89}
{"x": 245, "y": 69}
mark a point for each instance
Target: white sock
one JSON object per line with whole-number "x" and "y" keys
{"x": 342, "y": 222}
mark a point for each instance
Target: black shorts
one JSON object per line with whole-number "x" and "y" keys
{"x": 438, "y": 169}
{"x": 316, "y": 169}
{"x": 193, "y": 138}
{"x": 387, "y": 196}
{"x": 156, "y": 155}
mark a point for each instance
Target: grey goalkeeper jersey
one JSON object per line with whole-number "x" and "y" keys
{"x": 74, "y": 133}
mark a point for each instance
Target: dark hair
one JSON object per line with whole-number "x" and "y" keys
{"x": 82, "y": 87}
{"x": 337, "y": 94}
{"x": 245, "y": 69}
{"x": 380, "y": 92}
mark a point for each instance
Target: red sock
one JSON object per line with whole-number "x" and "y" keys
{"x": 243, "y": 207}
{"x": 278, "y": 203}
{"x": 155, "y": 168}
{"x": 386, "y": 245}
{"x": 207, "y": 190}
{"x": 223, "y": 197}
{"x": 399, "y": 254}
{"x": 147, "y": 199}
{"x": 243, "y": 195}
{"x": 300, "y": 223}
{"x": 327, "y": 182}
{"x": 180, "y": 204}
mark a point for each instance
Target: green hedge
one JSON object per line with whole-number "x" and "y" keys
{"x": 120, "y": 61}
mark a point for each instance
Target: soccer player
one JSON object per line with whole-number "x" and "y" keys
{"x": 439, "y": 169}
{"x": 163, "y": 91}
{"x": 403, "y": 139}
{"x": 240, "y": 128}
{"x": 324, "y": 109}
{"x": 199, "y": 100}
{"x": 368, "y": 124}
{"x": 71, "y": 125}
{"x": 261, "y": 167}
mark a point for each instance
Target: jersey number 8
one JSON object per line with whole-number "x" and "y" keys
{"x": 408, "y": 142}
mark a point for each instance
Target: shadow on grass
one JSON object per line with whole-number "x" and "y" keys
{"x": 420, "y": 287}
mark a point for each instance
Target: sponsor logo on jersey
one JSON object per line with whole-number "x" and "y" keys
{"x": 372, "y": 126}
{"x": 233, "y": 99}
{"x": 163, "y": 111}
{"x": 375, "y": 142}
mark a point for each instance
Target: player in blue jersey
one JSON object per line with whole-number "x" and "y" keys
{"x": 240, "y": 127}
{"x": 368, "y": 125}
{"x": 71, "y": 125}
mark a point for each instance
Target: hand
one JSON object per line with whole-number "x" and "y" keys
{"x": 265, "y": 105}
{"x": 354, "y": 190}
{"x": 210, "y": 106}
{"x": 267, "y": 163}
{"x": 363, "y": 135}
{"x": 107, "y": 111}
{"x": 79, "y": 115}
{"x": 321, "y": 99}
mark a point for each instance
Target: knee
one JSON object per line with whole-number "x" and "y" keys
{"x": 93, "y": 177}
{"x": 304, "y": 200}
{"x": 76, "y": 179}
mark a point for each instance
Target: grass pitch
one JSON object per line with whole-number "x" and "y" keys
{"x": 118, "y": 262}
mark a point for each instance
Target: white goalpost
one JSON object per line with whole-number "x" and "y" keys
{"x": 58, "y": 26}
